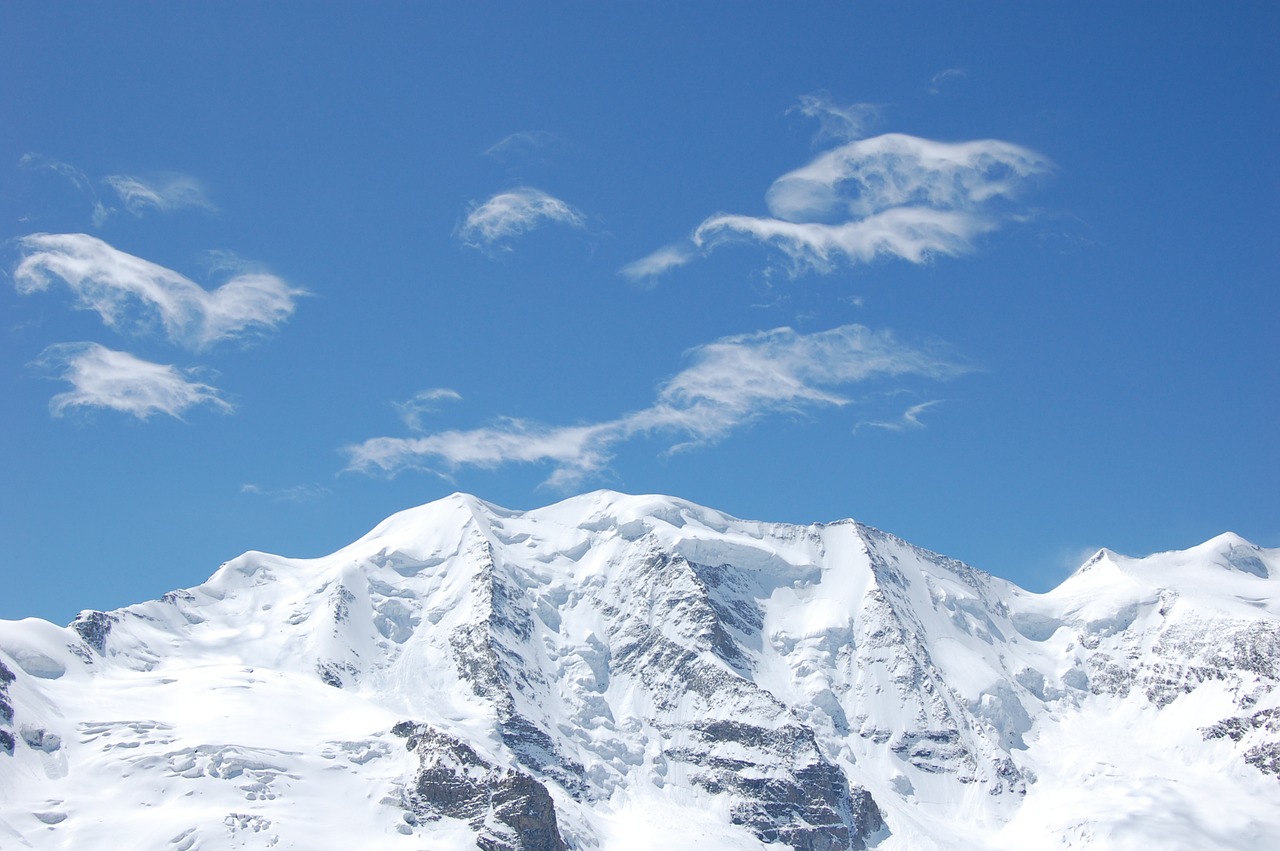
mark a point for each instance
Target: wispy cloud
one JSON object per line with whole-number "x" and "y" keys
{"x": 103, "y": 378}
{"x": 891, "y": 195}
{"x": 940, "y": 79}
{"x": 166, "y": 194}
{"x": 729, "y": 384}
{"x": 423, "y": 402}
{"x": 910, "y": 419}
{"x": 512, "y": 213}
{"x": 912, "y": 234}
{"x": 664, "y": 259}
{"x": 77, "y": 178}
{"x": 130, "y": 293}
{"x": 521, "y": 144}
{"x": 837, "y": 122}
{"x": 296, "y": 493}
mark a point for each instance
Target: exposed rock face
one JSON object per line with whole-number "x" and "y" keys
{"x": 6, "y": 709}
{"x": 93, "y": 628}
{"x": 809, "y": 808}
{"x": 509, "y": 809}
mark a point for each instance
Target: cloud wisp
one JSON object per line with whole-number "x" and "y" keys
{"x": 295, "y": 493}
{"x": 422, "y": 403}
{"x": 728, "y": 385}
{"x": 838, "y": 122}
{"x": 941, "y": 78}
{"x": 77, "y": 178}
{"x": 132, "y": 294}
{"x": 910, "y": 419}
{"x": 509, "y": 214}
{"x": 104, "y": 378}
{"x": 167, "y": 194}
{"x": 521, "y": 144}
{"x": 891, "y": 195}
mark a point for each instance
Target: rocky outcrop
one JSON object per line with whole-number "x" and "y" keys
{"x": 93, "y": 629}
{"x": 783, "y": 789}
{"x": 6, "y": 709}
{"x": 510, "y": 810}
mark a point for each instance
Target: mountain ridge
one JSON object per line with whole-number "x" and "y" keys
{"x": 610, "y": 666}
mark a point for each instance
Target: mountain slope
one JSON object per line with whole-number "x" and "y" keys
{"x": 627, "y": 672}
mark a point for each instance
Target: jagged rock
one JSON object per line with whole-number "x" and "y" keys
{"x": 93, "y": 628}
{"x": 510, "y": 810}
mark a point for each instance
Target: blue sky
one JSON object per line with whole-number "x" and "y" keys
{"x": 999, "y": 279}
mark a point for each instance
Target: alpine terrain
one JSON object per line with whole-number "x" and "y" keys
{"x": 638, "y": 672}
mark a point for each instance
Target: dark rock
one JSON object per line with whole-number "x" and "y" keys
{"x": 6, "y": 742}
{"x": 811, "y": 808}
{"x": 333, "y": 673}
{"x": 524, "y": 805}
{"x": 1265, "y": 757}
{"x": 510, "y": 809}
{"x": 93, "y": 628}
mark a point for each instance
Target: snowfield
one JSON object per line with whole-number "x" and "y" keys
{"x": 638, "y": 672}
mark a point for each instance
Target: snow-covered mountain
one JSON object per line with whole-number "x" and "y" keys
{"x": 622, "y": 672}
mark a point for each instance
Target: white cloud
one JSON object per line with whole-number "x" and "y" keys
{"x": 131, "y": 293}
{"x": 78, "y": 178}
{"x": 509, "y": 214}
{"x": 521, "y": 144}
{"x": 894, "y": 170}
{"x": 167, "y": 194}
{"x": 74, "y": 176}
{"x": 103, "y": 378}
{"x": 910, "y": 419}
{"x": 840, "y": 122}
{"x": 296, "y": 493}
{"x": 729, "y": 384}
{"x": 662, "y": 260}
{"x": 912, "y": 234}
{"x": 423, "y": 402}
{"x": 891, "y": 195}
{"x": 938, "y": 79}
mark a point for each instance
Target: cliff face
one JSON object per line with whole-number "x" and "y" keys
{"x": 615, "y": 671}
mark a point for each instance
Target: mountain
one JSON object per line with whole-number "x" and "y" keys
{"x": 639, "y": 672}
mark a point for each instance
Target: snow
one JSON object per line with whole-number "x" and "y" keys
{"x": 976, "y": 714}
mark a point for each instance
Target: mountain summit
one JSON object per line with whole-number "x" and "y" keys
{"x": 637, "y": 672}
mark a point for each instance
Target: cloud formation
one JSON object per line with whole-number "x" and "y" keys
{"x": 130, "y": 293}
{"x": 296, "y": 493}
{"x": 423, "y": 402}
{"x": 72, "y": 175}
{"x": 939, "y": 79}
{"x": 166, "y": 193}
{"x": 103, "y": 378}
{"x": 839, "y": 122}
{"x": 512, "y": 213}
{"x": 665, "y": 258}
{"x": 521, "y": 144}
{"x": 892, "y": 195}
{"x": 169, "y": 193}
{"x": 910, "y": 419}
{"x": 729, "y": 384}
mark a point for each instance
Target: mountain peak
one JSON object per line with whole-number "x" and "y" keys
{"x": 592, "y": 672}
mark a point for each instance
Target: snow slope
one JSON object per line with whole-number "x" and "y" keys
{"x": 626, "y": 672}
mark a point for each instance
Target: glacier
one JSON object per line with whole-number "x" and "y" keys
{"x": 635, "y": 672}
